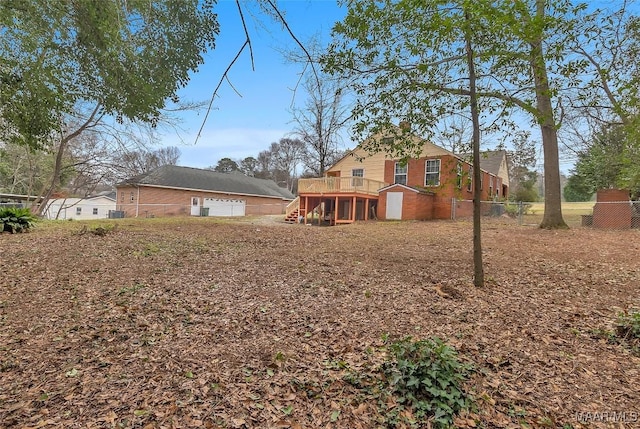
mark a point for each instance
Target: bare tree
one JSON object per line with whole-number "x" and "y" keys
{"x": 319, "y": 123}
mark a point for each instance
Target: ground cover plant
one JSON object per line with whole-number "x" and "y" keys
{"x": 176, "y": 323}
{"x": 16, "y": 220}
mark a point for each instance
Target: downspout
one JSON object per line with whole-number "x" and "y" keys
{"x": 137, "y": 200}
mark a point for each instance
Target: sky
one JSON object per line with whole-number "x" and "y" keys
{"x": 245, "y": 122}
{"x": 256, "y": 111}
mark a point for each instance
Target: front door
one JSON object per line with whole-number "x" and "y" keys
{"x": 394, "y": 205}
{"x": 195, "y": 206}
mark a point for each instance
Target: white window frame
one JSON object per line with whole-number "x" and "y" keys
{"x": 404, "y": 174}
{"x": 357, "y": 174}
{"x": 430, "y": 172}
{"x": 95, "y": 211}
{"x": 78, "y": 211}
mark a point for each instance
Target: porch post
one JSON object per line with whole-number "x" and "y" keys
{"x": 306, "y": 209}
{"x": 353, "y": 210}
{"x": 366, "y": 209}
{"x": 335, "y": 211}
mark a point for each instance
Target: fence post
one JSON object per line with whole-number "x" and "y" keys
{"x": 520, "y": 212}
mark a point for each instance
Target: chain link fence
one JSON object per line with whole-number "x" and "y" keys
{"x": 605, "y": 215}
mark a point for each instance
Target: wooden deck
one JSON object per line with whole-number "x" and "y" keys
{"x": 335, "y": 200}
{"x": 340, "y": 185}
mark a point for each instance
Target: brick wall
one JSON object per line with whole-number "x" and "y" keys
{"x": 161, "y": 202}
{"x": 448, "y": 178}
{"x": 612, "y": 209}
{"x": 415, "y": 205}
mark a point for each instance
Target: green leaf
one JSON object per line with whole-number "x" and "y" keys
{"x": 335, "y": 415}
{"x": 71, "y": 373}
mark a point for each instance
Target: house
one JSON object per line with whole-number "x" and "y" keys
{"x": 95, "y": 207}
{"x": 184, "y": 191}
{"x": 361, "y": 186}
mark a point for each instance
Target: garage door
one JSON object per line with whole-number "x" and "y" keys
{"x": 224, "y": 206}
{"x": 394, "y": 205}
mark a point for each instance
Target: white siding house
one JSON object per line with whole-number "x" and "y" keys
{"x": 80, "y": 208}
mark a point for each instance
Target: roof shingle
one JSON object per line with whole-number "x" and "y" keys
{"x": 173, "y": 176}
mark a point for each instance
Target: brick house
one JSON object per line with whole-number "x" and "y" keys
{"x": 361, "y": 186}
{"x": 184, "y": 191}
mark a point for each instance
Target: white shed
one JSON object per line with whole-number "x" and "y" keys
{"x": 97, "y": 207}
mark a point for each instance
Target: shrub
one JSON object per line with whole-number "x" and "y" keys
{"x": 628, "y": 327}
{"x": 16, "y": 219}
{"x": 426, "y": 377}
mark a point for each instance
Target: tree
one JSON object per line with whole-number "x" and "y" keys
{"x": 319, "y": 123}
{"x": 226, "y": 165}
{"x": 521, "y": 162}
{"x": 94, "y": 60}
{"x": 601, "y": 165}
{"x": 138, "y": 161}
{"x": 22, "y": 170}
{"x": 404, "y": 63}
{"x": 249, "y": 166}
{"x": 608, "y": 42}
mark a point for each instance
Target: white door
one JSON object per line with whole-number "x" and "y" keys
{"x": 224, "y": 206}
{"x": 195, "y": 206}
{"x": 394, "y": 205}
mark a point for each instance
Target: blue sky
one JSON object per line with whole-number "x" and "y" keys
{"x": 241, "y": 126}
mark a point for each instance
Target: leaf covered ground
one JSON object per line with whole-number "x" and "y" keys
{"x": 257, "y": 324}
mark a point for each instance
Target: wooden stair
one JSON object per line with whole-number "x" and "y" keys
{"x": 293, "y": 216}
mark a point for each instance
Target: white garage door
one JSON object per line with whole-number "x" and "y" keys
{"x": 394, "y": 205}
{"x": 224, "y": 206}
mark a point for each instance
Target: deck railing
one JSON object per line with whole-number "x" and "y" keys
{"x": 331, "y": 185}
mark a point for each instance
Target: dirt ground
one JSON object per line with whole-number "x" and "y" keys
{"x": 187, "y": 323}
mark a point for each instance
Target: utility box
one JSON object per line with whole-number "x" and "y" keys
{"x": 116, "y": 214}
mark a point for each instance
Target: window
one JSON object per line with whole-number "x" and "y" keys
{"x": 400, "y": 175}
{"x": 459, "y": 176}
{"x": 122, "y": 197}
{"x": 95, "y": 211}
{"x": 432, "y": 172}
{"x": 470, "y": 179}
{"x": 490, "y": 185}
{"x": 132, "y": 196}
{"x": 78, "y": 210}
{"x": 194, "y": 201}
{"x": 357, "y": 174}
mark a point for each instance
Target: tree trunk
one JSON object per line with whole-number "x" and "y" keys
{"x": 552, "y": 218}
{"x": 478, "y": 270}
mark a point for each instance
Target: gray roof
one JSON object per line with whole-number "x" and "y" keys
{"x": 173, "y": 176}
{"x": 490, "y": 160}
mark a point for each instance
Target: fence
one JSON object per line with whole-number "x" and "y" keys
{"x": 618, "y": 214}
{"x": 12, "y": 205}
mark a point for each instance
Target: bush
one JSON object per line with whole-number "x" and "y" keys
{"x": 16, "y": 220}
{"x": 426, "y": 377}
{"x": 628, "y": 327}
